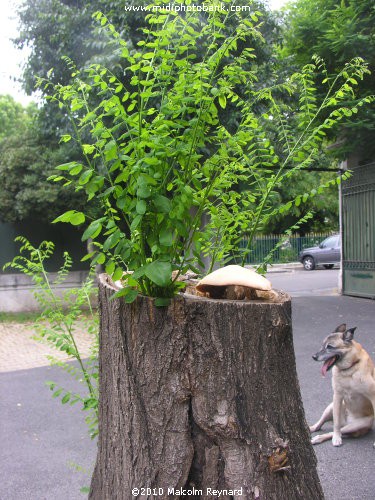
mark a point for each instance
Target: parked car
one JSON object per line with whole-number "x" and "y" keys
{"x": 327, "y": 254}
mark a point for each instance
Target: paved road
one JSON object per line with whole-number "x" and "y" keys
{"x": 42, "y": 441}
{"x": 347, "y": 472}
{"x": 298, "y": 282}
{"x": 40, "y": 437}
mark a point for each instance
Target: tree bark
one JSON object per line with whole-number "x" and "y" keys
{"x": 197, "y": 395}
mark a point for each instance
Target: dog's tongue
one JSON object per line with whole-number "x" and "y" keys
{"x": 327, "y": 365}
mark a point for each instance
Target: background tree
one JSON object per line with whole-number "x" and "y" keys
{"x": 324, "y": 205}
{"x": 337, "y": 31}
{"x": 13, "y": 116}
{"x": 56, "y": 29}
{"x": 26, "y": 160}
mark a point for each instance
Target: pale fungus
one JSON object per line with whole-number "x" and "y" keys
{"x": 235, "y": 283}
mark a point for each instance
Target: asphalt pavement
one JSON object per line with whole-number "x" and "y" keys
{"x": 346, "y": 472}
{"x": 300, "y": 283}
{"x": 41, "y": 439}
{"x": 45, "y": 450}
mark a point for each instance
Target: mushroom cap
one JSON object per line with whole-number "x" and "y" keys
{"x": 234, "y": 275}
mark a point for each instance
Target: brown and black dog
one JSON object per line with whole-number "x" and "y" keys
{"x": 353, "y": 382}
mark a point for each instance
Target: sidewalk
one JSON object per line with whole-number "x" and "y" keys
{"x": 19, "y": 351}
{"x": 280, "y": 267}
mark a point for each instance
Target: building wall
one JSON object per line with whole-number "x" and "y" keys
{"x": 16, "y": 291}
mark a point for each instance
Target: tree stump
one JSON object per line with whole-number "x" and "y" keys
{"x": 199, "y": 396}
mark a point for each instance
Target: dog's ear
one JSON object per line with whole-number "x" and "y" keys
{"x": 349, "y": 334}
{"x": 341, "y": 328}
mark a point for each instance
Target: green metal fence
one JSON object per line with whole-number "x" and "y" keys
{"x": 358, "y": 221}
{"x": 287, "y": 247}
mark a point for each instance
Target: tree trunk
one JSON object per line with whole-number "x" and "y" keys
{"x": 198, "y": 396}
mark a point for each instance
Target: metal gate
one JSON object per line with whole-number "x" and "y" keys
{"x": 358, "y": 237}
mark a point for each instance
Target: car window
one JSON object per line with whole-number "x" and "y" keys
{"x": 330, "y": 242}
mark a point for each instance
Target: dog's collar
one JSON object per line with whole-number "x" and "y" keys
{"x": 351, "y": 366}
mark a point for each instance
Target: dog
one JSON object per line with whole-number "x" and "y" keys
{"x": 353, "y": 382}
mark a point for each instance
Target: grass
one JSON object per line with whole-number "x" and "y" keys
{"x": 18, "y": 317}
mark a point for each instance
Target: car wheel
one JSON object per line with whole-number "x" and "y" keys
{"x": 328, "y": 266}
{"x": 308, "y": 263}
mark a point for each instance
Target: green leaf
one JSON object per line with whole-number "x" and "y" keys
{"x": 88, "y": 148}
{"x": 85, "y": 177}
{"x": 110, "y": 267}
{"x": 66, "y": 398}
{"x": 144, "y": 191}
{"x": 159, "y": 272}
{"x": 99, "y": 258}
{"x": 166, "y": 237}
{"x": 135, "y": 223}
{"x": 88, "y": 256}
{"x": 57, "y": 393}
{"x": 162, "y": 301}
{"x": 223, "y": 101}
{"x": 110, "y": 151}
{"x": 117, "y": 275}
{"x": 67, "y": 166}
{"x": 76, "y": 170}
{"x": 148, "y": 55}
{"x": 129, "y": 294}
{"x": 141, "y": 207}
{"x": 162, "y": 204}
{"x": 93, "y": 230}
{"x": 112, "y": 241}
{"x": 71, "y": 216}
{"x": 289, "y": 205}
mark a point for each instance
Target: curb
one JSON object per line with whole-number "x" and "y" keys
{"x": 282, "y": 268}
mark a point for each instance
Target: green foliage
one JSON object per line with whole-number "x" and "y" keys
{"x": 13, "y": 116}
{"x": 174, "y": 180}
{"x": 337, "y": 31}
{"x": 25, "y": 165}
{"x": 325, "y": 203}
{"x": 26, "y": 160}
{"x": 58, "y": 322}
{"x": 53, "y": 29}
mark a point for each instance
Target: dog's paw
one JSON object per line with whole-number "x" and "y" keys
{"x": 313, "y": 428}
{"x": 317, "y": 439}
{"x": 336, "y": 440}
